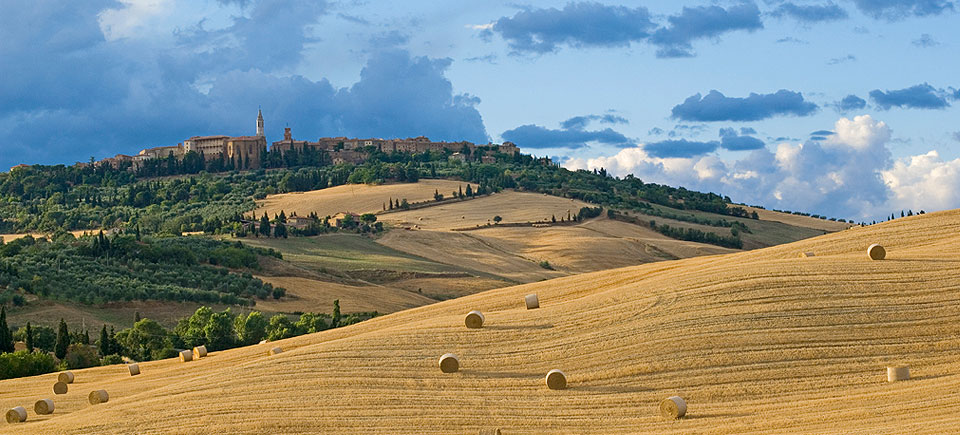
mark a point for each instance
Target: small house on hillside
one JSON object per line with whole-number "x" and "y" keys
{"x": 338, "y": 218}
{"x": 299, "y": 222}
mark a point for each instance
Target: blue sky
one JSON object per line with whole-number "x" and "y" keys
{"x": 838, "y": 107}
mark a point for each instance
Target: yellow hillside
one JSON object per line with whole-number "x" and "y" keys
{"x": 355, "y": 198}
{"x": 797, "y": 220}
{"x": 756, "y": 342}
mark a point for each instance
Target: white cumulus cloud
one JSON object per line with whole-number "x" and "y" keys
{"x": 924, "y": 182}
{"x": 850, "y": 175}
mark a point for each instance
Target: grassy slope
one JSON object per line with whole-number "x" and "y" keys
{"x": 757, "y": 342}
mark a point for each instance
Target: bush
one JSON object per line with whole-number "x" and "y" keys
{"x": 22, "y": 363}
{"x": 111, "y": 360}
{"x": 80, "y": 356}
{"x": 546, "y": 265}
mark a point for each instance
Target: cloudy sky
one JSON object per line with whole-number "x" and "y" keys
{"x": 839, "y": 107}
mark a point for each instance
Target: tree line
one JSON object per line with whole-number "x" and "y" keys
{"x": 47, "y": 350}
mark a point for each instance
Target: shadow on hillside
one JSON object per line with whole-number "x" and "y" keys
{"x": 505, "y": 327}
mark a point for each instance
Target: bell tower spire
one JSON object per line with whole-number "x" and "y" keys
{"x": 259, "y": 122}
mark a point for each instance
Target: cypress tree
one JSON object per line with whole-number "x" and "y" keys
{"x": 6, "y": 337}
{"x": 265, "y": 225}
{"x": 29, "y": 339}
{"x": 136, "y": 317}
{"x": 114, "y": 344}
{"x": 104, "y": 342}
{"x": 336, "y": 314}
{"x": 63, "y": 340}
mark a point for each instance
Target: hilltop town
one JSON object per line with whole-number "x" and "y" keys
{"x": 248, "y": 152}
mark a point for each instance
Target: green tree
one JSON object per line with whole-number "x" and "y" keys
{"x": 311, "y": 322}
{"x": 29, "y": 338}
{"x": 335, "y": 321}
{"x": 265, "y": 225}
{"x": 280, "y": 230}
{"x": 219, "y": 330}
{"x": 497, "y": 219}
{"x": 280, "y": 327}
{"x": 23, "y": 363}
{"x": 191, "y": 329}
{"x": 146, "y": 340}
{"x": 104, "y": 343}
{"x": 43, "y": 337}
{"x": 79, "y": 356}
{"x": 63, "y": 340}
{"x": 6, "y": 337}
{"x": 368, "y": 218}
{"x": 251, "y": 328}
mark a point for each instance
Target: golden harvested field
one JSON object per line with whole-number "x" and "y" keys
{"x": 515, "y": 252}
{"x": 797, "y": 220}
{"x": 512, "y": 206}
{"x": 356, "y": 198}
{"x": 308, "y": 295}
{"x": 11, "y": 237}
{"x": 756, "y": 342}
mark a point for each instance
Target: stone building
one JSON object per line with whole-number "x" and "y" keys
{"x": 245, "y": 151}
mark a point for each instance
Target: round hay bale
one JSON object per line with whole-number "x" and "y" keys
{"x": 66, "y": 377}
{"x": 60, "y": 388}
{"x": 807, "y": 254}
{"x": 17, "y": 415}
{"x": 876, "y": 252}
{"x": 673, "y": 407}
{"x": 199, "y": 352}
{"x": 43, "y": 407}
{"x": 898, "y": 373}
{"x": 186, "y": 355}
{"x": 449, "y": 363}
{"x": 556, "y": 380}
{"x": 275, "y": 351}
{"x": 532, "y": 301}
{"x": 134, "y": 369}
{"x": 474, "y": 319}
{"x": 98, "y": 396}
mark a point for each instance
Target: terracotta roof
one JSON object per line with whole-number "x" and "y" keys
{"x": 208, "y": 137}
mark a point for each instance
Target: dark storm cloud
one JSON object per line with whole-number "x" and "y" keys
{"x": 851, "y": 102}
{"x": 105, "y": 97}
{"x": 680, "y": 148}
{"x": 584, "y": 24}
{"x": 580, "y": 122}
{"x": 922, "y": 96}
{"x": 730, "y": 140}
{"x": 675, "y": 40}
{"x": 897, "y": 9}
{"x": 535, "y": 136}
{"x": 717, "y": 107}
{"x": 810, "y": 13}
